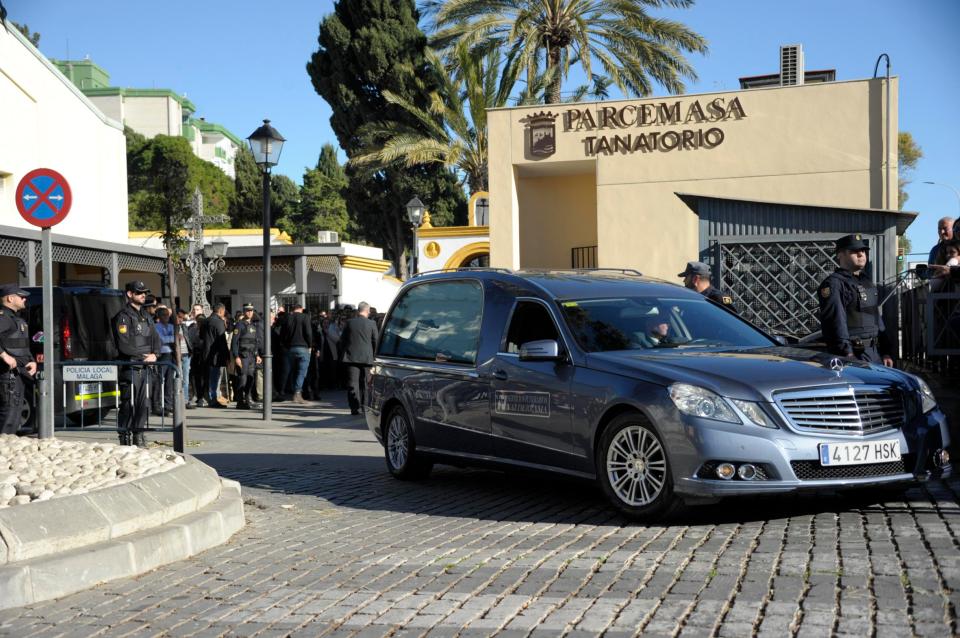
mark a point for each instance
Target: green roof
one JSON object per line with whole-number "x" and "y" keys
{"x": 210, "y": 127}
{"x": 185, "y": 104}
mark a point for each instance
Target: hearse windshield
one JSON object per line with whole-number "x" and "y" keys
{"x": 653, "y": 323}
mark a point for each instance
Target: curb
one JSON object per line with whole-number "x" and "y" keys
{"x": 58, "y": 547}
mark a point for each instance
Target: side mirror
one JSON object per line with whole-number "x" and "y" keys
{"x": 541, "y": 350}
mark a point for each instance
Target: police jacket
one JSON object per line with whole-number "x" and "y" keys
{"x": 247, "y": 339}
{"x": 850, "y": 312}
{"x": 134, "y": 334}
{"x": 722, "y": 297}
{"x": 13, "y": 338}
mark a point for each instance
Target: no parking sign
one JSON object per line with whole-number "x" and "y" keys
{"x": 44, "y": 197}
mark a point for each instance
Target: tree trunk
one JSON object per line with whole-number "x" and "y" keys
{"x": 553, "y": 65}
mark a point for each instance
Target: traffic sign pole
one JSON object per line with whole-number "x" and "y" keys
{"x": 45, "y": 431}
{"x": 44, "y": 199}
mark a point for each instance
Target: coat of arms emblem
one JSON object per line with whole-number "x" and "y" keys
{"x": 542, "y": 134}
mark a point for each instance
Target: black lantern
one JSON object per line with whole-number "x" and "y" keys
{"x": 266, "y": 144}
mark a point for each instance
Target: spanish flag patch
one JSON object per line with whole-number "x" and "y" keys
{"x": 122, "y": 328}
{"x": 825, "y": 292}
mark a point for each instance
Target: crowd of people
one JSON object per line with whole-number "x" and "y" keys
{"x": 221, "y": 357}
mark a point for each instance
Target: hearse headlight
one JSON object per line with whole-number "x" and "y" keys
{"x": 697, "y": 401}
{"x": 927, "y": 400}
{"x": 754, "y": 413}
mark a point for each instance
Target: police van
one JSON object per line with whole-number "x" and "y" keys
{"x": 81, "y": 319}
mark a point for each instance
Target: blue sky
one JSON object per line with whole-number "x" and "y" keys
{"x": 240, "y": 61}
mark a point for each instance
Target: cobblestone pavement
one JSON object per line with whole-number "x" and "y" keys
{"x": 335, "y": 547}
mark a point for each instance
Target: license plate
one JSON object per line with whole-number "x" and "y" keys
{"x": 859, "y": 453}
{"x": 89, "y": 388}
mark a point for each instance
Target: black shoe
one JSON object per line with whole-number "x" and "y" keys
{"x": 140, "y": 440}
{"x": 156, "y": 412}
{"x": 354, "y": 412}
{"x": 243, "y": 406}
{"x": 217, "y": 405}
{"x": 189, "y": 406}
{"x": 201, "y": 403}
{"x": 124, "y": 438}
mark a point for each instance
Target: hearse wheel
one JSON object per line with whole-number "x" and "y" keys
{"x": 633, "y": 469}
{"x": 400, "y": 448}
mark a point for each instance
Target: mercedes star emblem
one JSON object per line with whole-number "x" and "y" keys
{"x": 836, "y": 364}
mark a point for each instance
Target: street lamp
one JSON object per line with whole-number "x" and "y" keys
{"x": 955, "y": 192}
{"x": 415, "y": 210}
{"x": 266, "y": 144}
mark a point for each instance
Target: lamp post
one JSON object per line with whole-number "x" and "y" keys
{"x": 415, "y": 209}
{"x": 266, "y": 144}
{"x": 886, "y": 159}
{"x": 955, "y": 192}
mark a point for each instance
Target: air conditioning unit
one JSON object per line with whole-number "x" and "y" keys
{"x": 791, "y": 65}
{"x": 328, "y": 237}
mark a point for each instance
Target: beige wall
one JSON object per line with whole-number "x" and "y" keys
{"x": 561, "y": 214}
{"x": 48, "y": 123}
{"x": 817, "y": 144}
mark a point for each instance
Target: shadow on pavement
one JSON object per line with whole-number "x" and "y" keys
{"x": 363, "y": 483}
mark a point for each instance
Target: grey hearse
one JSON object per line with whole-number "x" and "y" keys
{"x": 654, "y": 391}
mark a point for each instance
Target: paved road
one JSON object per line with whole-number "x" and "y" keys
{"x": 336, "y": 547}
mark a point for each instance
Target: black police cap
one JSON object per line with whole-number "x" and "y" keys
{"x": 853, "y": 242}
{"x": 136, "y": 286}
{"x": 247, "y": 306}
{"x": 13, "y": 289}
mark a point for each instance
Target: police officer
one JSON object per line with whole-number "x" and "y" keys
{"x": 15, "y": 359}
{"x": 849, "y": 306}
{"x": 136, "y": 340}
{"x": 697, "y": 277}
{"x": 246, "y": 348}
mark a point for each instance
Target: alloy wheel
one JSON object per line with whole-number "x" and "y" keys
{"x": 636, "y": 466}
{"x": 398, "y": 441}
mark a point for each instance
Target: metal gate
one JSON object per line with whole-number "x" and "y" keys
{"x": 774, "y": 280}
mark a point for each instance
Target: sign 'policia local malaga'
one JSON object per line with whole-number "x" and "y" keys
{"x": 622, "y": 123}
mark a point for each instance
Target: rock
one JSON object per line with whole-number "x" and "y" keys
{"x": 7, "y": 491}
{"x": 20, "y": 499}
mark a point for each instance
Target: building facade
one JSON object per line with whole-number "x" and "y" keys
{"x": 153, "y": 112}
{"x": 597, "y": 185}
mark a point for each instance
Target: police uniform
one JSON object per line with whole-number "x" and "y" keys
{"x": 136, "y": 338}
{"x": 850, "y": 310}
{"x": 722, "y": 297}
{"x": 247, "y": 343}
{"x": 15, "y": 341}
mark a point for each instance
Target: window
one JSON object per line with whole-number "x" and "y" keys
{"x": 632, "y": 323}
{"x": 437, "y": 321}
{"x": 531, "y": 321}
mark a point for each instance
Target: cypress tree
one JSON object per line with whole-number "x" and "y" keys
{"x": 365, "y": 48}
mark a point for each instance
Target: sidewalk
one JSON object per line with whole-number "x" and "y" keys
{"x": 230, "y": 439}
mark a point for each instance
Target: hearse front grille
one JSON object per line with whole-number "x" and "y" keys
{"x": 847, "y": 411}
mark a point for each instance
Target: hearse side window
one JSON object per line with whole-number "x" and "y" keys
{"x": 531, "y": 321}
{"x": 438, "y": 321}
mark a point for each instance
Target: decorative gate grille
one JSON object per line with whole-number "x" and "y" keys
{"x": 774, "y": 283}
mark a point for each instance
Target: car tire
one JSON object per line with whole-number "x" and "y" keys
{"x": 400, "y": 448}
{"x": 633, "y": 469}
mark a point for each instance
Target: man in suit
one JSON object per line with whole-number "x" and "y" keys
{"x": 358, "y": 342}
{"x": 215, "y": 343}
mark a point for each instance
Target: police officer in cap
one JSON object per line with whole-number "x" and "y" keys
{"x": 246, "y": 348}
{"x": 697, "y": 277}
{"x": 136, "y": 340}
{"x": 849, "y": 306}
{"x": 15, "y": 359}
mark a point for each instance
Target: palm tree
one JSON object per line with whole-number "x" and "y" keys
{"x": 548, "y": 36}
{"x": 453, "y": 127}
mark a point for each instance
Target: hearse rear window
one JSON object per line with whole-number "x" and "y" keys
{"x": 438, "y": 321}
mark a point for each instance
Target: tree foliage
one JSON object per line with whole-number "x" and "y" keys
{"x": 616, "y": 40}
{"x": 909, "y": 155}
{"x": 162, "y": 174}
{"x": 27, "y": 33}
{"x": 246, "y": 210}
{"x": 367, "y": 47}
{"x": 322, "y": 205}
{"x": 452, "y": 129}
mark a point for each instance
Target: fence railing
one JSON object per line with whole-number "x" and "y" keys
{"x": 930, "y": 323}
{"x": 583, "y": 257}
{"x": 89, "y": 390}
